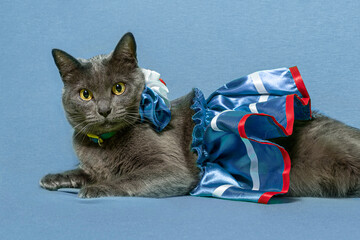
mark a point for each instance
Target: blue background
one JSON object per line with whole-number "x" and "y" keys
{"x": 192, "y": 44}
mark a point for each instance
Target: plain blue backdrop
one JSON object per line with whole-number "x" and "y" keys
{"x": 192, "y": 44}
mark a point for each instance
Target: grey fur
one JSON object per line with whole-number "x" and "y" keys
{"x": 325, "y": 158}
{"x": 138, "y": 161}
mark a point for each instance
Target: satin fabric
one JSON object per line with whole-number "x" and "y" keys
{"x": 154, "y": 109}
{"x": 232, "y": 133}
{"x": 154, "y": 104}
{"x": 153, "y": 81}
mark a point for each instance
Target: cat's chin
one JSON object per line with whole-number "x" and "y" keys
{"x": 106, "y": 127}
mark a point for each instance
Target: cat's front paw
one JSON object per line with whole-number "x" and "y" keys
{"x": 52, "y": 181}
{"x": 93, "y": 191}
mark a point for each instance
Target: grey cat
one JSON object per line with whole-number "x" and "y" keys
{"x": 138, "y": 161}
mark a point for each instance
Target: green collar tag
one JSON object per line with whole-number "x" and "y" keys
{"x": 100, "y": 139}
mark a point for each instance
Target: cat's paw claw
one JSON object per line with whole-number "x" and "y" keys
{"x": 93, "y": 192}
{"x": 50, "y": 182}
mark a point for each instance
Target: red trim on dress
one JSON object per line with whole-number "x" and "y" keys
{"x": 241, "y": 125}
{"x": 299, "y": 82}
{"x": 162, "y": 81}
{"x": 290, "y": 116}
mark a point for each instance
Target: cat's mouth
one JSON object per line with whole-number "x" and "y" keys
{"x": 104, "y": 125}
{"x": 109, "y": 125}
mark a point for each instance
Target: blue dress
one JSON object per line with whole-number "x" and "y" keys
{"x": 232, "y": 131}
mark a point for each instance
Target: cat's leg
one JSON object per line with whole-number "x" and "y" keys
{"x": 159, "y": 181}
{"x": 354, "y": 190}
{"x": 70, "y": 179}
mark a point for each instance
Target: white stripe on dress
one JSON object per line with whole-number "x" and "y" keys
{"x": 214, "y": 120}
{"x": 255, "y": 77}
{"x": 263, "y": 98}
{"x": 219, "y": 191}
{"x": 254, "y": 167}
{"x": 253, "y": 108}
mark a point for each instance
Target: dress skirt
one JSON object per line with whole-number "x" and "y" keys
{"x": 233, "y": 131}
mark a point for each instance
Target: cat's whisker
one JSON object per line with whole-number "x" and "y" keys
{"x": 79, "y": 124}
{"x": 88, "y": 130}
{"x": 81, "y": 130}
{"x": 128, "y": 122}
{"x": 133, "y": 115}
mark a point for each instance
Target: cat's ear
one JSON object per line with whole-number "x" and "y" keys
{"x": 125, "y": 50}
{"x": 65, "y": 62}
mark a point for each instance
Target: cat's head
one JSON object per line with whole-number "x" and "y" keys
{"x": 102, "y": 94}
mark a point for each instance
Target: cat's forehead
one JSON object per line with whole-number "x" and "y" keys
{"x": 97, "y": 73}
{"x": 99, "y": 59}
{"x": 95, "y": 62}
{"x": 96, "y": 67}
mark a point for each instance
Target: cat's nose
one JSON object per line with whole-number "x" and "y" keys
{"x": 104, "y": 112}
{"x": 103, "y": 107}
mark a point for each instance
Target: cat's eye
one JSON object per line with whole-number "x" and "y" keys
{"x": 85, "y": 94}
{"x": 118, "y": 88}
